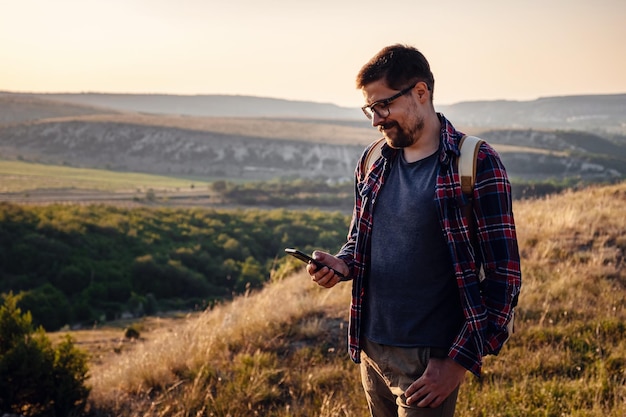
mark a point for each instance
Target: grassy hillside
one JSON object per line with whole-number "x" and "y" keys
{"x": 25, "y": 177}
{"x": 282, "y": 351}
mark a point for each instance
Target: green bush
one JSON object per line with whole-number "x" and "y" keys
{"x": 36, "y": 378}
{"x": 48, "y": 306}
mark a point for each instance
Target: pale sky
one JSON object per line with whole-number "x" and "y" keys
{"x": 311, "y": 50}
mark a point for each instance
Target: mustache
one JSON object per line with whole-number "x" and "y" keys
{"x": 387, "y": 126}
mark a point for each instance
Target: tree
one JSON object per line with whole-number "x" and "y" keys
{"x": 48, "y": 305}
{"x": 36, "y": 378}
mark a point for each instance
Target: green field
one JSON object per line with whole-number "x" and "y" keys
{"x": 19, "y": 177}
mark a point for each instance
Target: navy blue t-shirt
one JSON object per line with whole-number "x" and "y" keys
{"x": 412, "y": 298}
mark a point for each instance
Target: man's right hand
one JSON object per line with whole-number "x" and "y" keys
{"x": 325, "y": 277}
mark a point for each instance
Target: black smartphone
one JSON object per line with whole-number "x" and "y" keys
{"x": 307, "y": 258}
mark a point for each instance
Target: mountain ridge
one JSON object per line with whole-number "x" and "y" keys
{"x": 528, "y": 155}
{"x": 596, "y": 112}
{"x": 51, "y": 131}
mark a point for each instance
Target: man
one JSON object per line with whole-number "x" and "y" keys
{"x": 420, "y": 316}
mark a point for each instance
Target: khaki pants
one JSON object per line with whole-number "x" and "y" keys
{"x": 387, "y": 371}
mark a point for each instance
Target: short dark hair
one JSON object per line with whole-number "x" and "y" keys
{"x": 399, "y": 66}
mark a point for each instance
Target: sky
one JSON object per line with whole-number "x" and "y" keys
{"x": 311, "y": 50}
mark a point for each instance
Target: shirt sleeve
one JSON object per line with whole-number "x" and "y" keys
{"x": 489, "y": 303}
{"x": 498, "y": 247}
{"x": 365, "y": 179}
{"x": 347, "y": 251}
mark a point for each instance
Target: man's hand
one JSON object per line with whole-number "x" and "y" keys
{"x": 441, "y": 377}
{"x": 325, "y": 277}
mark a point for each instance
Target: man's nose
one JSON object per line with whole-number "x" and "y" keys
{"x": 377, "y": 119}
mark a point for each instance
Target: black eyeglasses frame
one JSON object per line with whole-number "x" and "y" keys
{"x": 370, "y": 109}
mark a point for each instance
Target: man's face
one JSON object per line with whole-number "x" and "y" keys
{"x": 400, "y": 121}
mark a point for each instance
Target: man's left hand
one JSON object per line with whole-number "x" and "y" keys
{"x": 442, "y": 376}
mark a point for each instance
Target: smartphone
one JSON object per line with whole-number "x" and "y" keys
{"x": 306, "y": 258}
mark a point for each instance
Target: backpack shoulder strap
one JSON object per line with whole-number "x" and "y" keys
{"x": 468, "y": 146}
{"x": 373, "y": 153}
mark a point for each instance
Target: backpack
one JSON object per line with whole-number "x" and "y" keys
{"x": 468, "y": 148}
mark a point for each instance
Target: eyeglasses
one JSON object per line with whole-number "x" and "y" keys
{"x": 381, "y": 107}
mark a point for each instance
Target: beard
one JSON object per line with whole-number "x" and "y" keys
{"x": 399, "y": 137}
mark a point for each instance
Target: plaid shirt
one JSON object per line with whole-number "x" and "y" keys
{"x": 487, "y": 305}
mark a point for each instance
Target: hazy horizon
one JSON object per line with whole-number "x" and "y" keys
{"x": 482, "y": 50}
{"x": 37, "y": 93}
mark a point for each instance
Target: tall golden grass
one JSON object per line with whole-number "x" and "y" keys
{"x": 282, "y": 351}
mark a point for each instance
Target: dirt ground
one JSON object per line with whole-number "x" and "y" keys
{"x": 108, "y": 339}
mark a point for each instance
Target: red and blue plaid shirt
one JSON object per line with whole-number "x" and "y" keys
{"x": 487, "y": 305}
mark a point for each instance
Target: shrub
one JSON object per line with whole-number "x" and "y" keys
{"x": 37, "y": 379}
{"x": 131, "y": 332}
{"x": 48, "y": 305}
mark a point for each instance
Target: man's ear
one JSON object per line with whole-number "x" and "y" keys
{"x": 421, "y": 88}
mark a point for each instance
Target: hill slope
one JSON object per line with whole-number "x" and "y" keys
{"x": 281, "y": 351}
{"x": 265, "y": 149}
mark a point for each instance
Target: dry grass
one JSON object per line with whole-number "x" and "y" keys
{"x": 573, "y": 249}
{"x": 281, "y": 351}
{"x": 233, "y": 349}
{"x": 567, "y": 355}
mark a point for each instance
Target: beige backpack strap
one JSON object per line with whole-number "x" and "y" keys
{"x": 468, "y": 146}
{"x": 373, "y": 154}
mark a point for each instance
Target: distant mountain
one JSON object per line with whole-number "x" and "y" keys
{"x": 554, "y": 138}
{"x": 207, "y": 105}
{"x": 19, "y": 108}
{"x": 592, "y": 113}
{"x": 595, "y": 113}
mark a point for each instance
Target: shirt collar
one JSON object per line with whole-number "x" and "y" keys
{"x": 449, "y": 139}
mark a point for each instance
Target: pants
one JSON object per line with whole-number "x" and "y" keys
{"x": 387, "y": 371}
